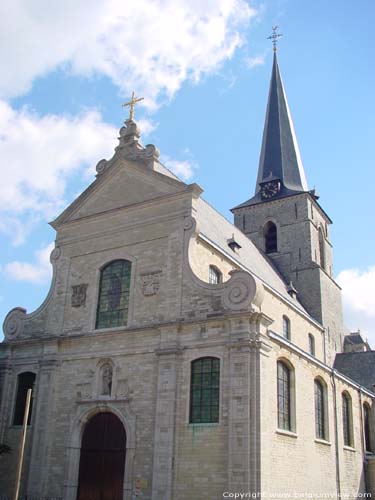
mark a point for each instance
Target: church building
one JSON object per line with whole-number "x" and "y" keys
{"x": 178, "y": 356}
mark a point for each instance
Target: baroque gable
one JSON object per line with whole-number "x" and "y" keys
{"x": 133, "y": 175}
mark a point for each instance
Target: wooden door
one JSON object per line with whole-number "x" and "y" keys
{"x": 102, "y": 462}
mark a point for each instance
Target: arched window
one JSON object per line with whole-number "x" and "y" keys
{"x": 285, "y": 397}
{"x": 311, "y": 344}
{"x": 286, "y": 327}
{"x": 270, "y": 237}
{"x": 113, "y": 302}
{"x": 347, "y": 419}
{"x": 322, "y": 255}
{"x": 321, "y": 430}
{"x": 205, "y": 390}
{"x": 25, "y": 381}
{"x": 214, "y": 276}
{"x": 367, "y": 426}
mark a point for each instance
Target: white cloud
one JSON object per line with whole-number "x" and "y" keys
{"x": 182, "y": 168}
{"x": 252, "y": 62}
{"x": 146, "y": 126}
{"x": 39, "y": 272}
{"x": 359, "y": 300}
{"x": 39, "y": 155}
{"x": 149, "y": 45}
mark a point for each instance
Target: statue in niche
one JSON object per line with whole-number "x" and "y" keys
{"x": 106, "y": 380}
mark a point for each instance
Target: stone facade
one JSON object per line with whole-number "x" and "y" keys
{"x": 141, "y": 371}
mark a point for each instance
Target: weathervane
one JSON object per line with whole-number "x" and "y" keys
{"x": 131, "y": 104}
{"x": 274, "y": 37}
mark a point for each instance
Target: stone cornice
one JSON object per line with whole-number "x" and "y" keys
{"x": 190, "y": 190}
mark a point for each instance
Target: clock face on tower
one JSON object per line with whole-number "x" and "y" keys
{"x": 270, "y": 189}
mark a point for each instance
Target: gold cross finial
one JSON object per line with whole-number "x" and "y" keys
{"x": 131, "y": 104}
{"x": 274, "y": 37}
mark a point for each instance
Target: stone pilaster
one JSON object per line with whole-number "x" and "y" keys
{"x": 244, "y": 406}
{"x": 5, "y": 398}
{"x": 42, "y": 428}
{"x": 165, "y": 423}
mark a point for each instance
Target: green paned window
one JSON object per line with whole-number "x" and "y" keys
{"x": 283, "y": 397}
{"x": 204, "y": 391}
{"x": 367, "y": 426}
{"x": 320, "y": 427}
{"x": 113, "y": 301}
{"x": 347, "y": 419}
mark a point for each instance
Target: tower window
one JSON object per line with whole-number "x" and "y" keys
{"x": 205, "y": 390}
{"x": 311, "y": 344}
{"x": 347, "y": 419}
{"x": 286, "y": 327}
{"x": 113, "y": 302}
{"x": 322, "y": 249}
{"x": 270, "y": 237}
{"x": 214, "y": 276}
{"x": 285, "y": 404}
{"x": 25, "y": 381}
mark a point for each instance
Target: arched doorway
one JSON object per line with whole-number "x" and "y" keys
{"x": 102, "y": 461}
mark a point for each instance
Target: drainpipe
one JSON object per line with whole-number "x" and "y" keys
{"x": 362, "y": 440}
{"x": 338, "y": 482}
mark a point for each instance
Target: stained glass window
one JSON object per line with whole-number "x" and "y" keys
{"x": 320, "y": 428}
{"x": 113, "y": 302}
{"x": 205, "y": 390}
{"x": 347, "y": 419}
{"x": 25, "y": 381}
{"x": 283, "y": 397}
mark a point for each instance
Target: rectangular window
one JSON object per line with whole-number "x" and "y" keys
{"x": 205, "y": 390}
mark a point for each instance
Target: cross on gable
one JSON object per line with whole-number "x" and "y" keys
{"x": 131, "y": 104}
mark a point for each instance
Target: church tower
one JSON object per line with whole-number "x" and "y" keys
{"x": 285, "y": 220}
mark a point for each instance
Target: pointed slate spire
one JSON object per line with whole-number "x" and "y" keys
{"x": 280, "y": 159}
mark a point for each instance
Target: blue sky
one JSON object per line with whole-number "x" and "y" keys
{"x": 204, "y": 69}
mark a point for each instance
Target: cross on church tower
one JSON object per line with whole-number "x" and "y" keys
{"x": 131, "y": 104}
{"x": 274, "y": 37}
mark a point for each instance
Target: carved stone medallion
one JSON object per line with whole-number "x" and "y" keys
{"x": 151, "y": 283}
{"x": 79, "y": 295}
{"x": 83, "y": 391}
